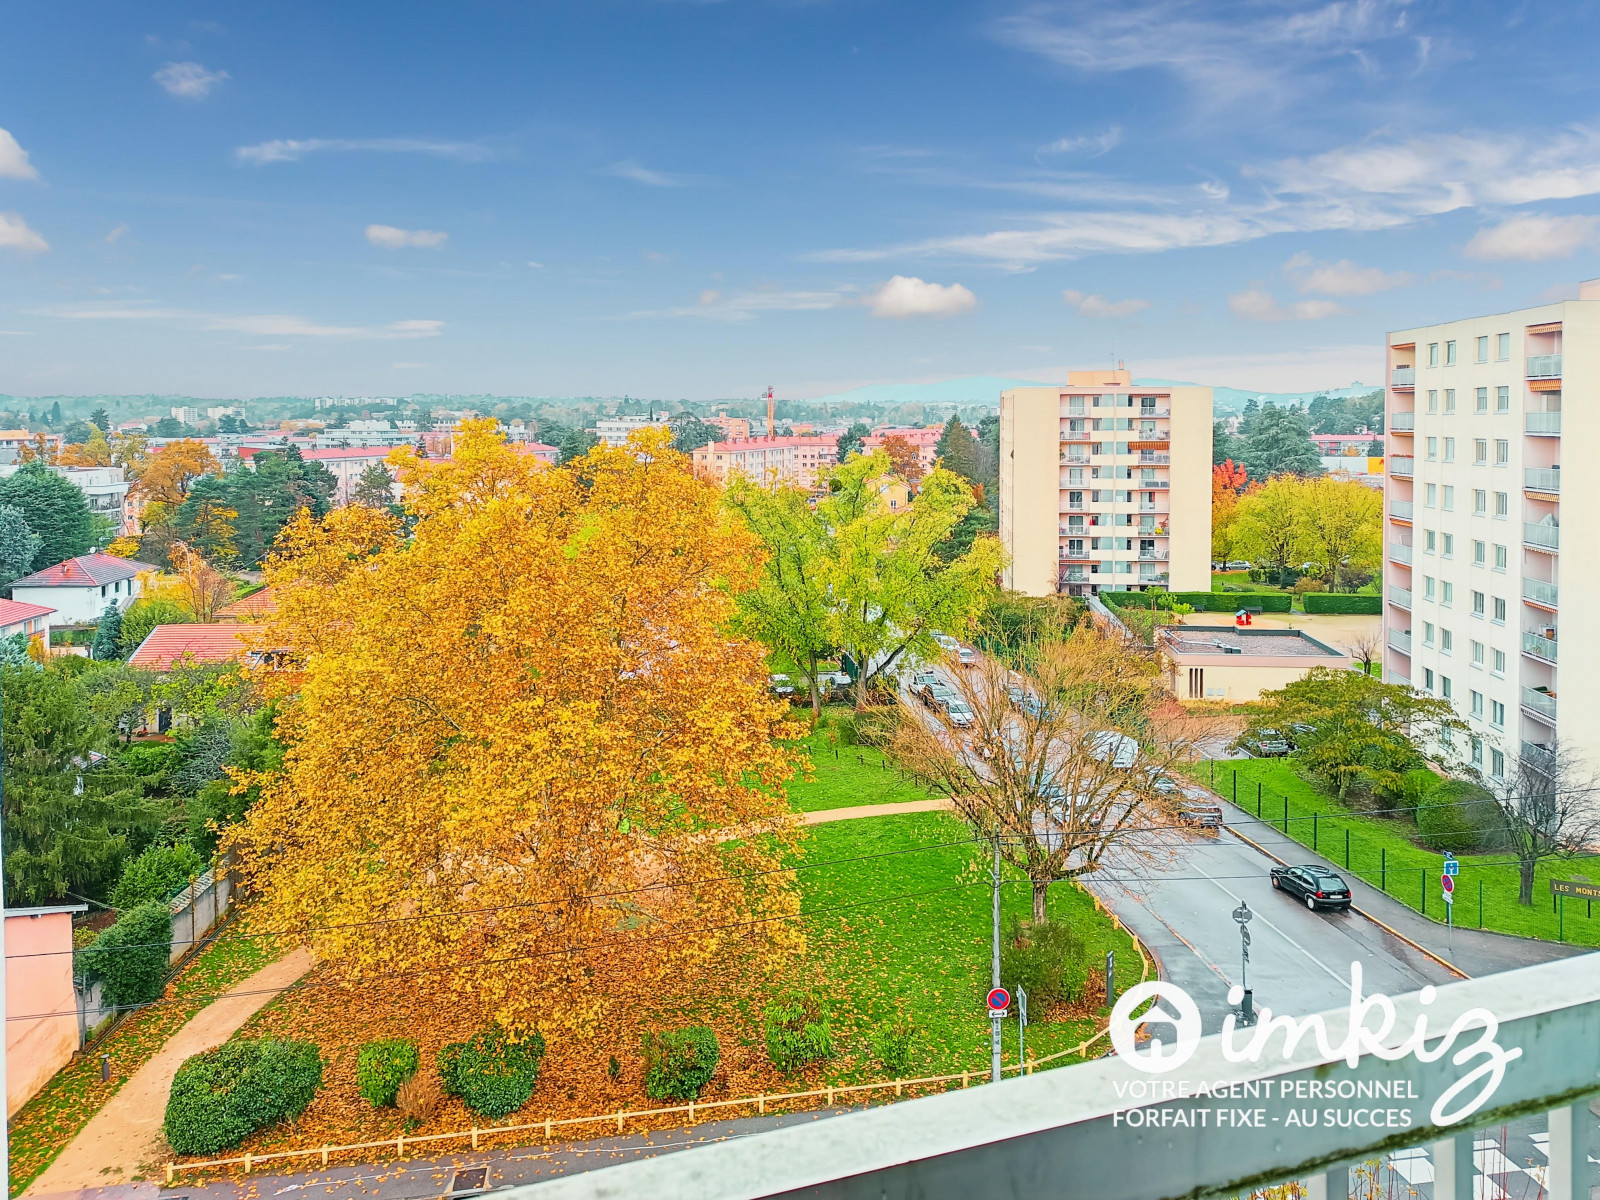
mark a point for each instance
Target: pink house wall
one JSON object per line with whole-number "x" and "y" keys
{"x": 38, "y": 980}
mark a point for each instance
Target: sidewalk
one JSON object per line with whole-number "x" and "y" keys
{"x": 851, "y": 812}
{"x": 126, "y": 1133}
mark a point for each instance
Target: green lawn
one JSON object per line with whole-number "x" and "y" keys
{"x": 1382, "y": 852}
{"x": 848, "y": 775}
{"x": 928, "y": 955}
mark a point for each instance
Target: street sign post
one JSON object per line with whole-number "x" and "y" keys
{"x": 1111, "y": 978}
{"x": 1022, "y": 1029}
{"x": 1447, "y": 882}
{"x": 999, "y": 1001}
{"x": 1452, "y": 865}
{"x": 1247, "y": 1009}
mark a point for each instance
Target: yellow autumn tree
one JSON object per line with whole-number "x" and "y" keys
{"x": 529, "y": 770}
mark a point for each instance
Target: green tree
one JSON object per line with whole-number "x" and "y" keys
{"x": 143, "y": 615}
{"x": 19, "y": 545}
{"x": 264, "y": 497}
{"x": 1268, "y": 527}
{"x": 54, "y": 510}
{"x": 120, "y": 696}
{"x": 850, "y": 440}
{"x": 1341, "y": 526}
{"x": 108, "y": 636}
{"x": 68, "y": 827}
{"x": 689, "y": 433}
{"x": 958, "y": 450}
{"x": 1224, "y": 446}
{"x": 1280, "y": 442}
{"x": 101, "y": 420}
{"x": 988, "y": 462}
{"x": 576, "y": 443}
{"x": 55, "y": 413}
{"x": 375, "y": 487}
{"x": 1362, "y": 732}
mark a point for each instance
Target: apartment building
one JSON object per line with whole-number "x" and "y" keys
{"x": 794, "y": 461}
{"x": 1105, "y": 486}
{"x": 924, "y": 438}
{"x": 1476, "y": 564}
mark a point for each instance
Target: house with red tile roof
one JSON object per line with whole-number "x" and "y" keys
{"x": 27, "y": 619}
{"x": 257, "y": 606}
{"x": 81, "y": 589}
{"x": 169, "y": 645}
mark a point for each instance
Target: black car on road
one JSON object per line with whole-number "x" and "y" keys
{"x": 1316, "y": 885}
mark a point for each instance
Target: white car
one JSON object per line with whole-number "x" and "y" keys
{"x": 946, "y": 642}
{"x": 1117, "y": 748}
{"x": 968, "y": 657}
{"x": 960, "y": 715}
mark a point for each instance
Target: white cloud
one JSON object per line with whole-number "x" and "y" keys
{"x": 1534, "y": 237}
{"x": 262, "y": 325}
{"x": 908, "y": 296}
{"x": 14, "y": 162}
{"x": 746, "y": 306}
{"x": 629, "y": 169}
{"x": 1342, "y": 278}
{"x": 391, "y": 238}
{"x": 710, "y": 296}
{"x": 1256, "y": 305}
{"x": 537, "y": 266}
{"x": 15, "y": 235}
{"x": 1094, "y": 144}
{"x": 293, "y": 149}
{"x": 116, "y": 232}
{"x": 1099, "y": 306}
{"x": 16, "y": 333}
{"x": 188, "y": 79}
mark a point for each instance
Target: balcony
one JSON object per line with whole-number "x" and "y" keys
{"x": 1400, "y": 641}
{"x": 1403, "y": 377}
{"x": 1539, "y": 756}
{"x": 1538, "y": 702}
{"x": 1538, "y": 646}
{"x": 1400, "y": 553}
{"x": 1151, "y": 456}
{"x": 1402, "y": 466}
{"x": 1402, "y": 422}
{"x": 1400, "y": 510}
{"x": 1537, "y": 591}
{"x": 1153, "y": 555}
{"x": 1151, "y": 530}
{"x": 1149, "y": 485}
{"x": 1081, "y": 435}
{"x": 1400, "y": 597}
{"x": 1542, "y": 424}
{"x": 1542, "y": 479}
{"x": 1397, "y": 677}
{"x": 1541, "y": 537}
{"x": 1544, "y": 366}
{"x": 1072, "y": 459}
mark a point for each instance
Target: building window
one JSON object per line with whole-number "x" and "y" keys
{"x": 1433, "y": 449}
{"x": 1499, "y": 667}
{"x": 1477, "y": 711}
{"x": 1427, "y": 587}
{"x": 1444, "y": 686}
{"x": 1502, "y": 347}
{"x": 1427, "y": 679}
{"x": 1449, "y": 544}
{"x": 1449, "y": 354}
{"x": 1433, "y": 354}
{"x": 1499, "y": 610}
{"x": 1502, "y": 452}
{"x": 1433, "y": 400}
{"x": 1430, "y": 494}
{"x": 1502, "y": 505}
{"x": 1497, "y": 760}
{"x": 1502, "y": 399}
{"x": 1483, "y": 350}
{"x": 1477, "y": 603}
{"x": 1502, "y": 557}
{"x": 1480, "y": 552}
{"x": 1449, "y": 503}
{"x": 1480, "y": 451}
{"x": 1477, "y": 654}
{"x": 1447, "y": 642}
{"x": 1480, "y": 502}
{"x": 1497, "y": 718}
{"x": 1449, "y": 449}
{"x": 1480, "y": 397}
{"x": 1477, "y": 743}
{"x": 1427, "y": 633}
{"x": 1449, "y": 401}
{"x": 1447, "y": 593}
{"x": 1428, "y": 537}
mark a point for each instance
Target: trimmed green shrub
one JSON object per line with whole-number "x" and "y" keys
{"x": 381, "y": 1067}
{"x": 1342, "y": 602}
{"x": 492, "y": 1074}
{"x": 679, "y": 1062}
{"x": 1459, "y": 816}
{"x": 798, "y": 1032}
{"x": 160, "y": 873}
{"x": 1047, "y": 959}
{"x": 891, "y": 1042}
{"x": 130, "y": 959}
{"x": 222, "y": 1096}
{"x": 1228, "y": 602}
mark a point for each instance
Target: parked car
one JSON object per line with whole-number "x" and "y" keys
{"x": 946, "y": 642}
{"x": 1200, "y": 813}
{"x": 1264, "y": 743}
{"x": 923, "y": 676}
{"x": 958, "y": 712}
{"x": 780, "y": 685}
{"x": 1120, "y": 750}
{"x": 1317, "y": 885}
{"x": 966, "y": 656}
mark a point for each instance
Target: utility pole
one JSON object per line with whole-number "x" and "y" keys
{"x": 994, "y": 1021}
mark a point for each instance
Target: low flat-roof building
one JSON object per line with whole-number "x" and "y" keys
{"x": 1224, "y": 662}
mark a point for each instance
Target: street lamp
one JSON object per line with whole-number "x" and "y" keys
{"x": 1247, "y": 1008}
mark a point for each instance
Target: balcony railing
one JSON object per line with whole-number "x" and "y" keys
{"x": 1539, "y": 756}
{"x": 1542, "y": 479}
{"x": 1539, "y": 592}
{"x": 1545, "y": 424}
{"x": 1151, "y": 530}
{"x": 1402, "y": 422}
{"x": 1400, "y": 641}
{"x": 1149, "y": 485}
{"x": 1403, "y": 377}
{"x": 1400, "y": 597}
{"x": 1544, "y": 366}
{"x": 1539, "y": 703}
{"x": 1539, "y": 646}
{"x": 1400, "y": 510}
{"x": 1151, "y": 555}
{"x": 1542, "y": 537}
{"x": 1400, "y": 553}
{"x": 1403, "y": 466}
{"x": 1397, "y": 677}
{"x": 1154, "y": 456}
{"x": 1075, "y": 460}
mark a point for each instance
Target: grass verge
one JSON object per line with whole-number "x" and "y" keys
{"x": 845, "y": 776}
{"x": 1383, "y": 853}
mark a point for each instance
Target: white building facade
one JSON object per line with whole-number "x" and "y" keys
{"x": 1477, "y": 565}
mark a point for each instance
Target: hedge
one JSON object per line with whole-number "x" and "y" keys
{"x": 381, "y": 1067}
{"x": 1228, "y": 602}
{"x": 492, "y": 1074}
{"x": 1343, "y": 602}
{"x": 221, "y": 1097}
{"x": 1459, "y": 816}
{"x": 130, "y": 958}
{"x": 798, "y": 1032}
{"x": 160, "y": 873}
{"x": 680, "y": 1062}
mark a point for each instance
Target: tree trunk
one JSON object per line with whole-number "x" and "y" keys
{"x": 1526, "y": 868}
{"x": 1040, "y": 890}
{"x": 816, "y": 694}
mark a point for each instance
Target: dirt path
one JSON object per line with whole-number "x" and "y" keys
{"x": 127, "y": 1131}
{"x": 851, "y": 812}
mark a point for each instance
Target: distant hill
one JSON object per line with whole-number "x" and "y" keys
{"x": 986, "y": 389}
{"x": 1232, "y": 400}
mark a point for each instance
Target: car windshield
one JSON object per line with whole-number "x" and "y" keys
{"x": 958, "y": 709}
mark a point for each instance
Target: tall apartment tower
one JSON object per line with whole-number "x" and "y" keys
{"x": 1105, "y": 486}
{"x": 1477, "y": 564}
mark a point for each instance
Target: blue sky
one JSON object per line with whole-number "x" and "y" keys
{"x": 682, "y": 199}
